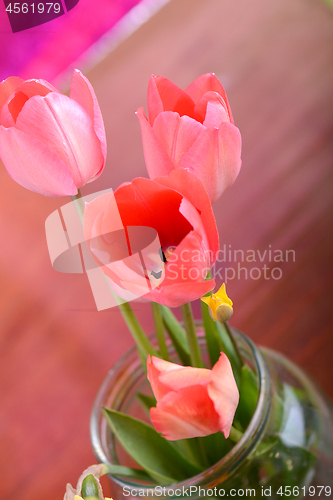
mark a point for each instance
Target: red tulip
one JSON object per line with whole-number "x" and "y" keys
{"x": 191, "y": 129}
{"x": 178, "y": 208}
{"x": 192, "y": 402}
{"x": 51, "y": 143}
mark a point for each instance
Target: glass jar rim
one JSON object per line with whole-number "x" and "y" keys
{"x": 233, "y": 458}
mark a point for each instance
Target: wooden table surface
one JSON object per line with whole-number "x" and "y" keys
{"x": 275, "y": 59}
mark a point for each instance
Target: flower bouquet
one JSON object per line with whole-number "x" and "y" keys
{"x": 197, "y": 410}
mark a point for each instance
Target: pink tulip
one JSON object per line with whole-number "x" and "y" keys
{"x": 192, "y": 402}
{"x": 191, "y": 129}
{"x": 178, "y": 208}
{"x": 51, "y": 143}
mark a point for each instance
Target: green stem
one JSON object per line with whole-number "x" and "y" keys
{"x": 191, "y": 334}
{"x": 159, "y": 329}
{"x": 235, "y": 435}
{"x": 79, "y": 204}
{"x": 136, "y": 330}
{"x": 202, "y": 452}
{"x": 234, "y": 343}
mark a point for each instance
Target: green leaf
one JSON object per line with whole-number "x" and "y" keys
{"x": 177, "y": 335}
{"x": 150, "y": 450}
{"x": 120, "y": 470}
{"x": 147, "y": 402}
{"x": 211, "y": 335}
{"x": 216, "y": 446}
{"x": 227, "y": 347}
{"x": 191, "y": 451}
{"x": 248, "y": 396}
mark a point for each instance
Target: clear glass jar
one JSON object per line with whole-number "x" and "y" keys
{"x": 286, "y": 450}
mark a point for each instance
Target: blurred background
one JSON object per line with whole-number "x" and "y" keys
{"x": 275, "y": 60}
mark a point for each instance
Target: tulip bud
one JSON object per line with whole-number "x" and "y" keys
{"x": 192, "y": 402}
{"x": 223, "y": 313}
{"x": 219, "y": 304}
{"x": 51, "y": 143}
{"x": 192, "y": 129}
{"x": 89, "y": 487}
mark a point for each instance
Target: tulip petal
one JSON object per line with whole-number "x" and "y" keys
{"x": 124, "y": 293}
{"x": 186, "y": 413}
{"x": 154, "y": 367}
{"x": 104, "y": 204}
{"x": 171, "y": 426}
{"x": 12, "y": 109}
{"x": 205, "y": 83}
{"x": 185, "y": 377}
{"x": 164, "y": 95}
{"x": 190, "y": 262}
{"x": 7, "y": 87}
{"x": 70, "y": 493}
{"x": 83, "y": 93}
{"x": 67, "y": 130}
{"x": 176, "y": 134}
{"x": 211, "y": 110}
{"x": 184, "y": 274}
{"x": 223, "y": 391}
{"x": 24, "y": 91}
{"x": 157, "y": 161}
{"x": 146, "y": 203}
{"x": 129, "y": 275}
{"x": 180, "y": 293}
{"x": 190, "y": 186}
{"x": 106, "y": 238}
{"x": 47, "y": 174}
{"x": 219, "y": 151}
{"x": 36, "y": 87}
{"x": 103, "y": 250}
{"x": 215, "y": 114}
{"x": 191, "y": 214}
{"x": 155, "y": 104}
{"x": 163, "y": 365}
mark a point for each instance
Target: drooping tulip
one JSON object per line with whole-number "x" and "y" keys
{"x": 192, "y": 402}
{"x": 51, "y": 143}
{"x": 178, "y": 208}
{"x": 191, "y": 129}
